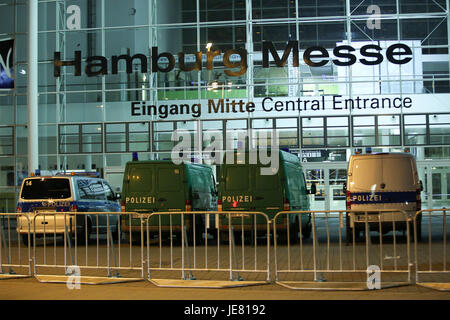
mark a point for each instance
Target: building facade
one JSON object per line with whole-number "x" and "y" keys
{"x": 328, "y": 77}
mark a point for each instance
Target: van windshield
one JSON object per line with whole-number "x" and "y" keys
{"x": 46, "y": 188}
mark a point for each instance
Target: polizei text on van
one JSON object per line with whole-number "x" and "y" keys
{"x": 316, "y": 56}
{"x": 142, "y": 200}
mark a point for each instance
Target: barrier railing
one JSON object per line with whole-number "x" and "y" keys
{"x": 432, "y": 258}
{"x": 207, "y": 247}
{"x": 79, "y": 252}
{"x": 312, "y": 249}
{"x": 336, "y": 263}
{"x": 15, "y": 260}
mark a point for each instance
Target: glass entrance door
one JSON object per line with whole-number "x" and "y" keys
{"x": 435, "y": 176}
{"x": 329, "y": 178}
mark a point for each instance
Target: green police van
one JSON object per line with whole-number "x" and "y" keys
{"x": 162, "y": 186}
{"x": 244, "y": 187}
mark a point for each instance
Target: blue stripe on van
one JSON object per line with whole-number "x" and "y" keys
{"x": 62, "y": 206}
{"x": 382, "y": 197}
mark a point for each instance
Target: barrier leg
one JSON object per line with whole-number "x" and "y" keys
{"x": 68, "y": 239}
{"x": 111, "y": 240}
{"x": 233, "y": 249}
{"x": 8, "y": 258}
{"x": 191, "y": 276}
{"x": 320, "y": 277}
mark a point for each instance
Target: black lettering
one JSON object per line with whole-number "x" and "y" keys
{"x": 163, "y": 111}
{"x": 242, "y": 64}
{"x": 57, "y": 63}
{"x": 197, "y": 65}
{"x": 103, "y": 65}
{"x": 407, "y": 102}
{"x": 386, "y": 99}
{"x": 210, "y": 58}
{"x": 338, "y": 54}
{"x": 135, "y": 109}
{"x": 196, "y": 110}
{"x": 307, "y": 55}
{"x": 335, "y": 102}
{"x": 365, "y": 52}
{"x": 268, "y": 46}
{"x": 279, "y": 106}
{"x": 264, "y": 104}
{"x": 129, "y": 62}
{"x": 403, "y": 50}
{"x": 397, "y": 105}
{"x": 156, "y": 57}
{"x": 250, "y": 106}
{"x": 213, "y": 107}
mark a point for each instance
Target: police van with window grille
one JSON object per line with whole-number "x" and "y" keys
{"x": 382, "y": 181}
{"x": 49, "y": 200}
{"x": 154, "y": 186}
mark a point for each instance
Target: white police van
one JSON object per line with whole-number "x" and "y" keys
{"x": 382, "y": 181}
{"x": 48, "y": 199}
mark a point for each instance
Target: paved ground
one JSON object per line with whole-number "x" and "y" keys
{"x": 31, "y": 289}
{"x": 330, "y": 255}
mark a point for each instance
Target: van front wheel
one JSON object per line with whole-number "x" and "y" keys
{"x": 25, "y": 239}
{"x": 306, "y": 231}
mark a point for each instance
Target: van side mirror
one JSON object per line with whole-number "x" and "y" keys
{"x": 118, "y": 196}
{"x": 313, "y": 188}
{"x": 344, "y": 187}
{"x": 421, "y": 185}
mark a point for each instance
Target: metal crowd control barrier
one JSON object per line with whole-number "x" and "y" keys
{"x": 15, "y": 261}
{"x": 206, "y": 245}
{"x": 327, "y": 261}
{"x": 80, "y": 259}
{"x": 433, "y": 256}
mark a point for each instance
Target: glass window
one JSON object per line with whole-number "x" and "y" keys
{"x": 6, "y": 141}
{"x": 46, "y": 188}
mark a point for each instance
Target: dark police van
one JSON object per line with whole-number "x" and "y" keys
{"x": 163, "y": 186}
{"x": 59, "y": 194}
{"x": 244, "y": 187}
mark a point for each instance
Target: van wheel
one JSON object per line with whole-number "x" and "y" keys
{"x": 116, "y": 234}
{"x": 224, "y": 238}
{"x": 81, "y": 236}
{"x": 198, "y": 234}
{"x": 294, "y": 232}
{"x": 419, "y": 230}
{"x": 349, "y": 231}
{"x": 282, "y": 236}
{"x": 25, "y": 239}
{"x": 306, "y": 231}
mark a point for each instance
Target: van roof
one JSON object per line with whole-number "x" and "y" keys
{"x": 377, "y": 154}
{"x": 284, "y": 156}
{"x": 167, "y": 162}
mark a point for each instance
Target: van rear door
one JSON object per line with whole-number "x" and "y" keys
{"x": 382, "y": 182}
{"x": 139, "y": 186}
{"x": 171, "y": 194}
{"x": 268, "y": 192}
{"x": 236, "y": 189}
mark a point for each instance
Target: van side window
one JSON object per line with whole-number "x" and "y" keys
{"x": 90, "y": 189}
{"x": 98, "y": 192}
{"x": 83, "y": 189}
{"x": 109, "y": 192}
